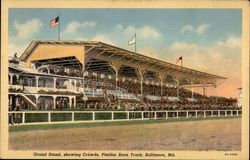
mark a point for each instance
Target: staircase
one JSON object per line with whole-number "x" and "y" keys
{"x": 27, "y": 99}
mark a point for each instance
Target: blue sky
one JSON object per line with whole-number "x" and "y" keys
{"x": 208, "y": 39}
{"x": 168, "y": 22}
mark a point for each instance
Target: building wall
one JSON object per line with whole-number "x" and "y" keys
{"x": 239, "y": 97}
{"x": 49, "y": 51}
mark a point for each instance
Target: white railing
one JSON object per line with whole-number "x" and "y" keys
{"x": 16, "y": 87}
{"x": 122, "y": 95}
{"x": 153, "y": 98}
{"x": 24, "y": 117}
{"x": 29, "y": 89}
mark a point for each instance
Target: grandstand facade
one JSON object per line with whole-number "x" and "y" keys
{"x": 57, "y": 75}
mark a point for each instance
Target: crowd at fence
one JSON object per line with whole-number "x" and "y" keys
{"x": 156, "y": 106}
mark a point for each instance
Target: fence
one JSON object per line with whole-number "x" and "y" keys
{"x": 42, "y": 117}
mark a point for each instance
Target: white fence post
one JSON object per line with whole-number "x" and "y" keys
{"x": 112, "y": 115}
{"x": 187, "y": 114}
{"x": 237, "y": 112}
{"x": 23, "y": 117}
{"x": 226, "y": 113}
{"x": 155, "y": 116}
{"x": 142, "y": 115}
{"x": 204, "y": 113}
{"x": 196, "y": 114}
{"x": 212, "y": 113}
{"x": 128, "y": 115}
{"x": 93, "y": 118}
{"x": 49, "y": 117}
{"x": 166, "y": 114}
{"x": 177, "y": 114}
{"x": 219, "y": 113}
{"x": 231, "y": 112}
{"x": 73, "y": 116}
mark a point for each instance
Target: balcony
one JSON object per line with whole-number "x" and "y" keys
{"x": 16, "y": 87}
{"x": 89, "y": 92}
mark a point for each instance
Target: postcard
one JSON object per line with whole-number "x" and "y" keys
{"x": 124, "y": 79}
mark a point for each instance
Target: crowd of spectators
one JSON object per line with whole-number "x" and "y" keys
{"x": 157, "y": 105}
{"x": 133, "y": 86}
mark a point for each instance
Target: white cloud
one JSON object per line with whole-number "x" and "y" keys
{"x": 27, "y": 29}
{"x": 150, "y": 51}
{"x": 74, "y": 25}
{"x": 180, "y": 46}
{"x": 103, "y": 38}
{"x": 187, "y": 28}
{"x": 144, "y": 32}
{"x": 16, "y": 48}
{"x": 200, "y": 29}
{"x": 130, "y": 30}
{"x": 119, "y": 26}
{"x": 231, "y": 42}
{"x": 211, "y": 59}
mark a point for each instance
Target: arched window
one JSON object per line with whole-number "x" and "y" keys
{"x": 14, "y": 80}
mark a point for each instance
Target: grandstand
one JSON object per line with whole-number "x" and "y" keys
{"x": 90, "y": 75}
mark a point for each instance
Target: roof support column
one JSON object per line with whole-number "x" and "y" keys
{"x": 192, "y": 88}
{"x": 177, "y": 86}
{"x": 54, "y": 80}
{"x": 140, "y": 73}
{"x": 161, "y": 76}
{"x": 178, "y": 89}
{"x": 215, "y": 93}
{"x": 54, "y": 101}
{"x": 141, "y": 87}
{"x": 204, "y": 89}
{"x": 116, "y": 66}
{"x": 11, "y": 79}
{"x": 75, "y": 84}
{"x": 192, "y": 84}
{"x": 37, "y": 82}
{"x": 70, "y": 101}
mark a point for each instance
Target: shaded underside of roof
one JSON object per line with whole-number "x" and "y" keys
{"x": 98, "y": 57}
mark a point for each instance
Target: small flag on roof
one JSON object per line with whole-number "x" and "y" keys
{"x": 178, "y": 59}
{"x": 133, "y": 40}
{"x": 54, "y": 22}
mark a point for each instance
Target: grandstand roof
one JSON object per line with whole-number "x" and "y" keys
{"x": 99, "y": 54}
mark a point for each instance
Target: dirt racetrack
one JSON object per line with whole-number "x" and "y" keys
{"x": 221, "y": 135}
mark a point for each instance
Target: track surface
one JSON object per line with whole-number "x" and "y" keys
{"x": 221, "y": 134}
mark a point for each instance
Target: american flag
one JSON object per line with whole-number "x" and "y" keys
{"x": 54, "y": 22}
{"x": 178, "y": 60}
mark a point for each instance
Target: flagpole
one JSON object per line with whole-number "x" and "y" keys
{"x": 181, "y": 61}
{"x": 59, "y": 27}
{"x": 135, "y": 42}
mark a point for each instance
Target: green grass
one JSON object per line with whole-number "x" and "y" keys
{"x": 102, "y": 124}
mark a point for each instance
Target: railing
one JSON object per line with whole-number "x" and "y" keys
{"x": 15, "y": 87}
{"x": 153, "y": 98}
{"x": 43, "y": 117}
{"x": 122, "y": 95}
